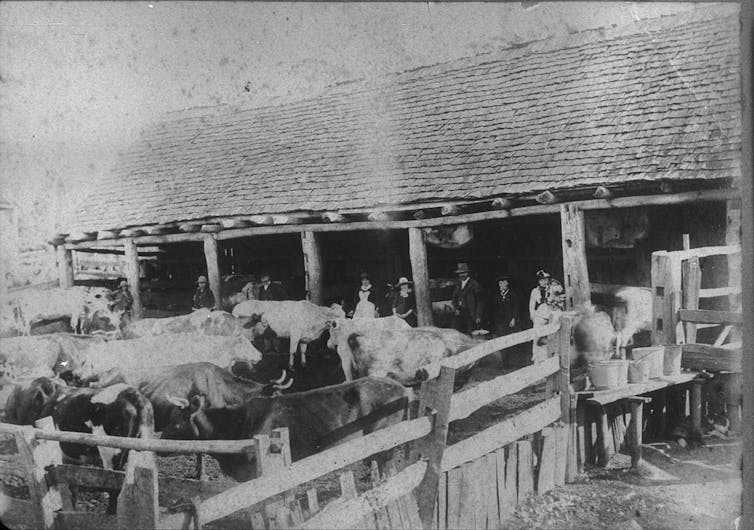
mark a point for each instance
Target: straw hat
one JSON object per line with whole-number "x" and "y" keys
{"x": 202, "y": 279}
{"x": 403, "y": 281}
{"x": 541, "y": 274}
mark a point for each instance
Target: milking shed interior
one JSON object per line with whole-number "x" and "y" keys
{"x": 580, "y": 155}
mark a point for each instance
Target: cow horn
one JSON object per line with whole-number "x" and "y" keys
{"x": 281, "y": 378}
{"x": 285, "y": 386}
{"x": 177, "y": 401}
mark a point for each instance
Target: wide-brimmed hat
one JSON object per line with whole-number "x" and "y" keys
{"x": 365, "y": 275}
{"x": 403, "y": 281}
{"x": 263, "y": 276}
{"x": 501, "y": 277}
{"x": 541, "y": 274}
{"x": 123, "y": 283}
{"x": 462, "y": 267}
{"x": 201, "y": 279}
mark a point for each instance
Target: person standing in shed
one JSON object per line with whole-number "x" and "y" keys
{"x": 203, "y": 297}
{"x": 269, "y": 290}
{"x": 505, "y": 308}
{"x": 538, "y": 295}
{"x": 404, "y": 303}
{"x": 366, "y": 300}
{"x": 467, "y": 301}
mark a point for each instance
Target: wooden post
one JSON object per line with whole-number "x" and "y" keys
{"x": 36, "y": 455}
{"x": 604, "y": 450}
{"x": 435, "y": 397}
{"x": 65, "y": 266}
{"x": 133, "y": 276}
{"x": 213, "y": 266}
{"x": 138, "y": 506}
{"x": 419, "y": 269}
{"x": 733, "y": 237}
{"x": 696, "y": 405}
{"x": 637, "y": 422}
{"x": 312, "y": 267}
{"x": 575, "y": 270}
{"x": 692, "y": 281}
{"x": 666, "y": 293}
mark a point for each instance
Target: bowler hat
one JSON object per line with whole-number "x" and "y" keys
{"x": 365, "y": 275}
{"x": 403, "y": 281}
{"x": 462, "y": 267}
{"x": 542, "y": 274}
{"x": 501, "y": 277}
{"x": 201, "y": 279}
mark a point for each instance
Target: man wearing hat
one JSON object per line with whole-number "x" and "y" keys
{"x": 269, "y": 290}
{"x": 504, "y": 307}
{"x": 123, "y": 301}
{"x": 467, "y": 301}
{"x": 404, "y": 304}
{"x": 538, "y": 295}
{"x": 203, "y": 296}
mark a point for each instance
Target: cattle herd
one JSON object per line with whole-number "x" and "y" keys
{"x": 180, "y": 377}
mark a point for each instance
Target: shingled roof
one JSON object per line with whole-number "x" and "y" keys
{"x": 659, "y": 99}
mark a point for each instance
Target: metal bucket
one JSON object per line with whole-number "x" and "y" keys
{"x": 654, "y": 356}
{"x": 672, "y": 359}
{"x": 608, "y": 374}
{"x": 638, "y": 371}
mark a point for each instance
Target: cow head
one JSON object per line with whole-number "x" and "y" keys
{"x": 26, "y": 405}
{"x": 335, "y": 328}
{"x": 256, "y": 324}
{"x": 188, "y": 421}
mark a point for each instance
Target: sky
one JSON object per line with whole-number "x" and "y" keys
{"x": 79, "y": 80}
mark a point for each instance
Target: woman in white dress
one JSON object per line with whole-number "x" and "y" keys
{"x": 364, "y": 302}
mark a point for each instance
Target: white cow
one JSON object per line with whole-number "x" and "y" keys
{"x": 406, "y": 355}
{"x": 300, "y": 321}
{"x": 169, "y": 350}
{"x": 342, "y": 328}
{"x": 204, "y": 321}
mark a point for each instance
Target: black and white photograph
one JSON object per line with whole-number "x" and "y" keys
{"x": 376, "y": 265}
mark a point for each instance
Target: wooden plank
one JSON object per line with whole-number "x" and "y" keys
{"x": 133, "y": 276}
{"x": 489, "y": 489}
{"x": 86, "y": 520}
{"x": 572, "y": 463}
{"x": 637, "y": 422}
{"x": 561, "y": 435}
{"x": 546, "y": 476}
{"x": 342, "y": 515}
{"x": 715, "y": 292}
{"x": 713, "y": 358}
{"x": 312, "y": 267}
{"x": 603, "y": 397}
{"x": 692, "y": 281}
{"x": 660, "y": 264}
{"x": 138, "y": 505}
{"x": 254, "y": 491}
{"x": 65, "y": 266}
{"x": 575, "y": 270}
{"x": 479, "y": 496}
{"x": 455, "y": 485}
{"x": 603, "y": 437}
{"x": 417, "y": 250}
{"x": 733, "y": 237}
{"x": 312, "y": 501}
{"x": 491, "y": 346}
{"x": 257, "y": 521}
{"x": 585, "y": 436}
{"x": 213, "y": 265}
{"x": 708, "y": 316}
{"x": 466, "y": 500}
{"x": 442, "y": 502}
{"x": 412, "y": 510}
{"x": 510, "y": 497}
{"x": 525, "y": 469}
{"x": 696, "y": 406}
{"x": 90, "y": 477}
{"x": 435, "y": 397}
{"x": 464, "y": 403}
{"x": 502, "y": 433}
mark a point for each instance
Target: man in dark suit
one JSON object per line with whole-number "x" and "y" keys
{"x": 269, "y": 290}
{"x": 467, "y": 301}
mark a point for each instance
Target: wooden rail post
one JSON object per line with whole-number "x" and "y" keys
{"x": 36, "y": 455}
{"x": 420, "y": 272}
{"x": 213, "y": 266}
{"x": 692, "y": 282}
{"x": 575, "y": 270}
{"x": 65, "y": 266}
{"x": 138, "y": 505}
{"x": 666, "y": 292}
{"x": 733, "y": 237}
{"x": 133, "y": 276}
{"x": 312, "y": 267}
{"x": 435, "y": 398}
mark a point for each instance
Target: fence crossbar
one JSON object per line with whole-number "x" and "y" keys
{"x": 139, "y": 444}
{"x": 708, "y": 316}
{"x": 478, "y": 352}
{"x": 466, "y": 402}
{"x": 258, "y": 490}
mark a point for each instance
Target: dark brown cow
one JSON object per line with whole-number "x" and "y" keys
{"x": 310, "y": 417}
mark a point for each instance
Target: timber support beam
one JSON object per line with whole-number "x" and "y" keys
{"x": 312, "y": 267}
{"x": 65, "y": 266}
{"x": 420, "y": 272}
{"x": 575, "y": 271}
{"x": 132, "y": 275}
{"x": 213, "y": 266}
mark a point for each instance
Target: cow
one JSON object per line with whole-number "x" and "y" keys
{"x": 169, "y": 350}
{"x": 88, "y": 309}
{"x": 310, "y": 417}
{"x": 342, "y": 328}
{"x": 118, "y": 410}
{"x": 300, "y": 321}
{"x": 168, "y": 387}
{"x": 406, "y": 355}
{"x": 204, "y": 321}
